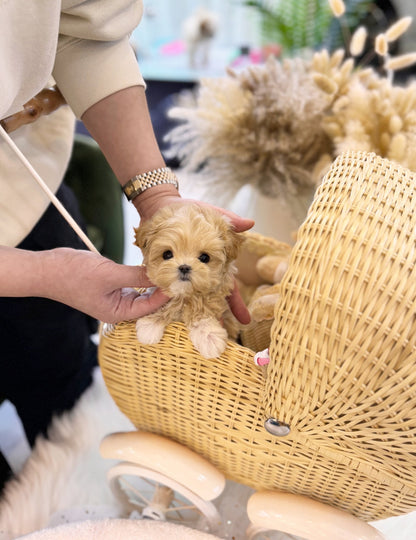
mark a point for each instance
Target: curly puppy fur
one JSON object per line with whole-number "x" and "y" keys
{"x": 189, "y": 252}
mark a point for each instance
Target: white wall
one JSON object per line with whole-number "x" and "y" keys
{"x": 163, "y": 19}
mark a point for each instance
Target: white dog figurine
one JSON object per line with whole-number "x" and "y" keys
{"x": 198, "y": 31}
{"x": 189, "y": 251}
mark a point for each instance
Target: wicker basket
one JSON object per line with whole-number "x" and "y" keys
{"x": 256, "y": 335}
{"x": 343, "y": 354}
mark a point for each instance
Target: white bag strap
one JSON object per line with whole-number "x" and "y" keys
{"x": 61, "y": 209}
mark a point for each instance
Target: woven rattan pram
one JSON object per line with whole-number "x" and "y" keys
{"x": 342, "y": 359}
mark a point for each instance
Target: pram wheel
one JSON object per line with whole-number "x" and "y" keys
{"x": 303, "y": 517}
{"x": 162, "y": 480}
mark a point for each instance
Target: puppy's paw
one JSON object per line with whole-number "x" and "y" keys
{"x": 209, "y": 338}
{"x": 149, "y": 331}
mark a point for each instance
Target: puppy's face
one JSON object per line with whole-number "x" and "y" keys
{"x": 188, "y": 249}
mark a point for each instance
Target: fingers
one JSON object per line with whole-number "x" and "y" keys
{"x": 238, "y": 306}
{"x": 240, "y": 224}
{"x": 146, "y": 304}
{"x": 132, "y": 305}
{"x": 141, "y": 304}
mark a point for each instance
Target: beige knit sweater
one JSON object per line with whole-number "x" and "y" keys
{"x": 84, "y": 46}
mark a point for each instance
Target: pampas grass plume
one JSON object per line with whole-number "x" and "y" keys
{"x": 385, "y": 141}
{"x": 277, "y": 127}
{"x": 401, "y": 62}
{"x": 395, "y": 124}
{"x": 337, "y": 58}
{"x": 398, "y": 147}
{"x": 347, "y": 68}
{"x": 398, "y": 28}
{"x": 337, "y": 7}
{"x": 326, "y": 84}
{"x": 381, "y": 45}
{"x": 358, "y": 41}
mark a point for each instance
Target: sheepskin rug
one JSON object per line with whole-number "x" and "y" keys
{"x": 119, "y": 529}
{"x": 66, "y": 470}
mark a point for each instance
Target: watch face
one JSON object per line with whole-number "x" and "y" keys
{"x": 130, "y": 189}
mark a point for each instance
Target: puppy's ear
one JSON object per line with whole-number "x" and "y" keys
{"x": 141, "y": 234}
{"x": 232, "y": 240}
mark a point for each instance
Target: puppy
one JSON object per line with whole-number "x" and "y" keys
{"x": 199, "y": 30}
{"x": 189, "y": 251}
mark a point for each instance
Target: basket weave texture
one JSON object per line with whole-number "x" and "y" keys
{"x": 343, "y": 354}
{"x": 256, "y": 335}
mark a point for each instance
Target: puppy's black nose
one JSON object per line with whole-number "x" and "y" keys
{"x": 184, "y": 269}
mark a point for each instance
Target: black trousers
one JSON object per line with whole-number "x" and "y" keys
{"x": 46, "y": 355}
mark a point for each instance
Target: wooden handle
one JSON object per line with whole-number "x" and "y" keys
{"x": 47, "y": 101}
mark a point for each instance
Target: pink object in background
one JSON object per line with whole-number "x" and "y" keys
{"x": 172, "y": 48}
{"x": 270, "y": 49}
{"x": 256, "y": 56}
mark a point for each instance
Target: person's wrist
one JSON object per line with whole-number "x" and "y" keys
{"x": 149, "y": 202}
{"x": 56, "y": 268}
{"x": 47, "y": 269}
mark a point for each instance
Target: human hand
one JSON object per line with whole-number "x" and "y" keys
{"x": 98, "y": 286}
{"x": 237, "y": 306}
{"x": 151, "y": 200}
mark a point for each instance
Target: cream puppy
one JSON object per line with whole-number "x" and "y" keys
{"x": 199, "y": 30}
{"x": 189, "y": 251}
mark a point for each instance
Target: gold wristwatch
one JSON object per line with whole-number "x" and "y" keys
{"x": 141, "y": 182}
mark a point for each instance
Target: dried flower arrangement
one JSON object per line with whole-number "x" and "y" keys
{"x": 277, "y": 126}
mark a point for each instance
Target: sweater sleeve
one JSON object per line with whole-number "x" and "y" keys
{"x": 94, "y": 57}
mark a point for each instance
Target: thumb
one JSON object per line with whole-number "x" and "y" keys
{"x": 147, "y": 303}
{"x": 131, "y": 276}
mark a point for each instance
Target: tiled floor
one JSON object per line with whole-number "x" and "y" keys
{"x": 13, "y": 443}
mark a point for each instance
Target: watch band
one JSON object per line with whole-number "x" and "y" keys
{"x": 141, "y": 182}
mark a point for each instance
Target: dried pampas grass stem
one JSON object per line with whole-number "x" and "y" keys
{"x": 259, "y": 127}
{"x": 381, "y": 45}
{"x": 337, "y": 7}
{"x": 401, "y": 62}
{"x": 399, "y": 28}
{"x": 358, "y": 40}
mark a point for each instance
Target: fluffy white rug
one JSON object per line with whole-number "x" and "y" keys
{"x": 65, "y": 470}
{"x": 119, "y": 529}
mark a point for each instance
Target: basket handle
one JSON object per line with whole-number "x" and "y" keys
{"x": 45, "y": 102}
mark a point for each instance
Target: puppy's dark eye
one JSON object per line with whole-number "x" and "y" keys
{"x": 204, "y": 258}
{"x": 167, "y": 254}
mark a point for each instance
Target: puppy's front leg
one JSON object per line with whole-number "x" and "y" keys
{"x": 230, "y": 324}
{"x": 150, "y": 329}
{"x": 208, "y": 337}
